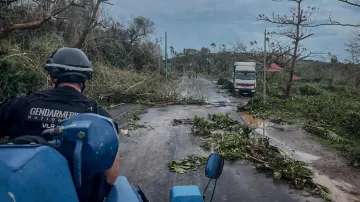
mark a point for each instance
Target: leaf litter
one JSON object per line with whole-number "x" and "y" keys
{"x": 236, "y": 141}
{"x": 189, "y": 163}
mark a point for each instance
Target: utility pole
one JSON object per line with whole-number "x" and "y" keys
{"x": 265, "y": 67}
{"x": 160, "y": 56}
{"x": 166, "y": 57}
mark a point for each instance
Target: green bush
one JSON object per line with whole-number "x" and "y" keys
{"x": 19, "y": 78}
{"x": 221, "y": 81}
{"x": 309, "y": 90}
{"x": 226, "y": 84}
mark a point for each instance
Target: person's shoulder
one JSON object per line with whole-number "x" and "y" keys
{"x": 12, "y": 104}
{"x": 14, "y": 100}
{"x": 40, "y": 93}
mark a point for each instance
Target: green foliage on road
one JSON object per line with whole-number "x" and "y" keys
{"x": 329, "y": 112}
{"x": 190, "y": 163}
{"x": 225, "y": 84}
{"x": 182, "y": 121}
{"x": 236, "y": 141}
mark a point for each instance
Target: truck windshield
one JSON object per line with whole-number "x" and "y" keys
{"x": 245, "y": 75}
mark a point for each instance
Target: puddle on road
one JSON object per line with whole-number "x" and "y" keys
{"x": 220, "y": 104}
{"x": 302, "y": 156}
{"x": 251, "y": 120}
{"x": 297, "y": 155}
{"x": 339, "y": 190}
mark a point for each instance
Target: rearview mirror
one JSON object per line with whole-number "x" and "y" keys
{"x": 214, "y": 166}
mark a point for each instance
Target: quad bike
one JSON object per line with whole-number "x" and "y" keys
{"x": 77, "y": 149}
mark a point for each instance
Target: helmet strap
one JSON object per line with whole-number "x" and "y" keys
{"x": 56, "y": 83}
{"x": 82, "y": 86}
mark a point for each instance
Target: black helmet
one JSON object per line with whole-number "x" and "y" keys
{"x": 69, "y": 65}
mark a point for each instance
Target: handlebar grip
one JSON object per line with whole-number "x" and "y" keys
{"x": 49, "y": 133}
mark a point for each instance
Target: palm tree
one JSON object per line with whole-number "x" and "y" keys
{"x": 224, "y": 47}
{"x": 213, "y": 45}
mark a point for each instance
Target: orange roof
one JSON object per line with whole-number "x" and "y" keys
{"x": 274, "y": 68}
{"x": 296, "y": 78}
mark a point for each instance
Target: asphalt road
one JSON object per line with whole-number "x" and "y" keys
{"x": 146, "y": 152}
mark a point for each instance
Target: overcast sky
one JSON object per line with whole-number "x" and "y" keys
{"x": 198, "y": 23}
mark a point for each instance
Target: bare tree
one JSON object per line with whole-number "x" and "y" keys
{"x": 278, "y": 53}
{"x": 173, "y": 55}
{"x": 332, "y": 21}
{"x": 203, "y": 60}
{"x": 353, "y": 47}
{"x": 294, "y": 27}
{"x": 92, "y": 20}
{"x": 238, "y": 48}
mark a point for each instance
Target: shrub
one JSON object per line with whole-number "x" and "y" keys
{"x": 309, "y": 90}
{"x": 19, "y": 78}
{"x": 222, "y": 81}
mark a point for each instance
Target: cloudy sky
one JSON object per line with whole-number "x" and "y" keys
{"x": 198, "y": 23}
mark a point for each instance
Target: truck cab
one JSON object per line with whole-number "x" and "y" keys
{"x": 244, "y": 77}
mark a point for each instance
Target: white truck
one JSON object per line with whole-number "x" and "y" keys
{"x": 244, "y": 77}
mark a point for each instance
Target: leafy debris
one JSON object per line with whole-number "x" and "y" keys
{"x": 323, "y": 132}
{"x": 189, "y": 163}
{"x": 235, "y": 141}
{"x": 133, "y": 113}
{"x": 134, "y": 126}
{"x": 182, "y": 121}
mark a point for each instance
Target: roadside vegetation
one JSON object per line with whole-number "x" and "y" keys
{"x": 127, "y": 63}
{"x": 330, "y": 112}
{"x": 325, "y": 102}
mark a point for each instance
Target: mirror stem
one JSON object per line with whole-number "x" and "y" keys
{"x": 212, "y": 195}
{"x": 206, "y": 188}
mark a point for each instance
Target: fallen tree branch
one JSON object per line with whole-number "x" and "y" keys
{"x": 135, "y": 85}
{"x": 351, "y": 3}
{"x": 256, "y": 159}
{"x": 4, "y": 32}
